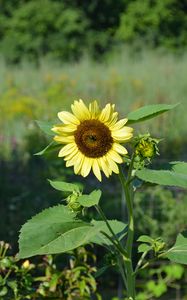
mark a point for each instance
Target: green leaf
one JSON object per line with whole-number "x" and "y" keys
{"x": 55, "y": 230}
{"x": 64, "y": 186}
{"x": 163, "y": 177}
{"x": 144, "y": 248}
{"x": 91, "y": 199}
{"x": 179, "y": 167}
{"x": 46, "y": 127}
{"x": 51, "y": 147}
{"x": 148, "y": 112}
{"x": 100, "y": 226}
{"x": 178, "y": 253}
{"x": 145, "y": 239}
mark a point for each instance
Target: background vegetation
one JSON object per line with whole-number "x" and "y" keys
{"x": 127, "y": 52}
{"x": 67, "y": 29}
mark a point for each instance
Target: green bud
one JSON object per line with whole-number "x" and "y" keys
{"x": 146, "y": 148}
{"x": 72, "y": 202}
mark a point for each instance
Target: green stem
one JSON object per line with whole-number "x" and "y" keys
{"x": 116, "y": 242}
{"x": 130, "y": 235}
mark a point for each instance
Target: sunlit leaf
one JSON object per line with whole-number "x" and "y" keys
{"x": 64, "y": 186}
{"x": 91, "y": 199}
{"x": 163, "y": 177}
{"x": 148, "y": 112}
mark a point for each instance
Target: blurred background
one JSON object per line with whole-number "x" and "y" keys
{"x": 128, "y": 52}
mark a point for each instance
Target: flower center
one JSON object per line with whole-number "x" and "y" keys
{"x": 93, "y": 138}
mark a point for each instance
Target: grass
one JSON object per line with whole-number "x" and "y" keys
{"x": 28, "y": 92}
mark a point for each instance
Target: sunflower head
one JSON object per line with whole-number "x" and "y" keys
{"x": 92, "y": 138}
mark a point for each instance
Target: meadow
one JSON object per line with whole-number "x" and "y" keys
{"x": 29, "y": 92}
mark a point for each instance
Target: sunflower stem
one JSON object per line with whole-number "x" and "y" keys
{"x": 126, "y": 185}
{"x": 115, "y": 240}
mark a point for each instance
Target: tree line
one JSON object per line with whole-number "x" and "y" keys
{"x": 66, "y": 29}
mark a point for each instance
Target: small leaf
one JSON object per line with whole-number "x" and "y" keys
{"x": 91, "y": 199}
{"x": 148, "y": 112}
{"x": 178, "y": 253}
{"x": 145, "y": 239}
{"x": 99, "y": 238}
{"x": 144, "y": 248}
{"x": 64, "y": 186}
{"x": 51, "y": 147}
{"x": 163, "y": 177}
{"x": 46, "y": 127}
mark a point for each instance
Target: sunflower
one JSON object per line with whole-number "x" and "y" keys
{"x": 92, "y": 138}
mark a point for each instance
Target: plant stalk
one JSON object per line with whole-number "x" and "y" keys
{"x": 130, "y": 235}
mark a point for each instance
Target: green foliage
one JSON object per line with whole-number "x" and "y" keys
{"x": 176, "y": 177}
{"x": 91, "y": 199}
{"x": 46, "y": 279}
{"x": 58, "y": 230}
{"x": 66, "y": 29}
{"x": 119, "y": 228}
{"x": 37, "y": 28}
{"x": 147, "y": 112}
{"x": 49, "y": 148}
{"x": 159, "y": 279}
{"x": 178, "y": 253}
{"x": 148, "y": 243}
{"x": 156, "y": 22}
{"x": 157, "y": 210}
{"x": 46, "y": 127}
{"x": 64, "y": 186}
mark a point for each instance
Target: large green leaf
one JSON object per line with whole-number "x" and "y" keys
{"x": 91, "y": 199}
{"x": 46, "y": 127}
{"x": 55, "y": 230}
{"x": 148, "y": 112}
{"x": 178, "y": 253}
{"x": 64, "y": 186}
{"x": 119, "y": 228}
{"x": 163, "y": 177}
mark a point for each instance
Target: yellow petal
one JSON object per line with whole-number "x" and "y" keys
{"x": 80, "y": 110}
{"x": 104, "y": 167}
{"x": 67, "y": 149}
{"x": 105, "y": 113}
{"x": 96, "y": 170}
{"x": 68, "y": 118}
{"x": 112, "y": 165}
{"x": 113, "y": 119}
{"x": 123, "y": 134}
{"x": 119, "y": 148}
{"x": 64, "y": 129}
{"x": 78, "y": 163}
{"x": 64, "y": 139}
{"x": 72, "y": 154}
{"x": 115, "y": 156}
{"x": 119, "y": 124}
{"x": 94, "y": 109}
{"x": 86, "y": 166}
